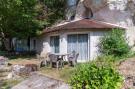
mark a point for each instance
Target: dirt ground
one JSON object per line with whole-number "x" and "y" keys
{"x": 24, "y": 61}
{"x": 127, "y": 69}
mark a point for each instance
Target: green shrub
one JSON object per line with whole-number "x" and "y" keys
{"x": 114, "y": 43}
{"x": 93, "y": 76}
{"x": 106, "y": 59}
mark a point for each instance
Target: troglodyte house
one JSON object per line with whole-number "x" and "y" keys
{"x": 87, "y": 21}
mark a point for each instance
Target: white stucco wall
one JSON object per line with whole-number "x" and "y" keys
{"x": 93, "y": 40}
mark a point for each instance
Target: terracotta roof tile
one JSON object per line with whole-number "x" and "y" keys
{"x": 82, "y": 24}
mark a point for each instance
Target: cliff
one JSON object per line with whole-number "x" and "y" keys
{"x": 120, "y": 12}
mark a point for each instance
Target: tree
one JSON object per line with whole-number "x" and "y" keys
{"x": 25, "y": 18}
{"x": 55, "y": 10}
{"x": 18, "y": 18}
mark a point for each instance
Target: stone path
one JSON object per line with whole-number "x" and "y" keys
{"x": 38, "y": 81}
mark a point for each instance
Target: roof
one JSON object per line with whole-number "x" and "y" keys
{"x": 82, "y": 24}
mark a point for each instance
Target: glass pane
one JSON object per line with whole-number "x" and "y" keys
{"x": 78, "y": 43}
{"x": 72, "y": 43}
{"x": 83, "y": 46}
{"x": 54, "y": 42}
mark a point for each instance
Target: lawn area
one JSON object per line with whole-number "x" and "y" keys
{"x": 65, "y": 73}
{"x": 24, "y": 61}
{"x": 62, "y": 74}
{"x": 7, "y": 84}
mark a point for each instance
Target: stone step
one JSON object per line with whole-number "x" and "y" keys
{"x": 2, "y": 78}
{"x": 5, "y": 69}
{"x": 4, "y": 74}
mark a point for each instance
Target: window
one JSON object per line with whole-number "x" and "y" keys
{"x": 78, "y": 43}
{"x": 54, "y": 43}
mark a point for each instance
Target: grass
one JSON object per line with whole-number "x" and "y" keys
{"x": 62, "y": 74}
{"x": 22, "y": 60}
{"x": 7, "y": 84}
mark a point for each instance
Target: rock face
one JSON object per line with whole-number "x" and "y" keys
{"x": 4, "y": 69}
{"x": 3, "y": 61}
{"x": 41, "y": 82}
{"x": 117, "y": 12}
{"x": 120, "y": 12}
{"x": 24, "y": 70}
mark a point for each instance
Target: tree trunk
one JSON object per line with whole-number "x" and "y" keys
{"x": 4, "y": 41}
{"x": 12, "y": 46}
{"x": 28, "y": 43}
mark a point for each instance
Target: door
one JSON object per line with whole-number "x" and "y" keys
{"x": 54, "y": 43}
{"x": 78, "y": 43}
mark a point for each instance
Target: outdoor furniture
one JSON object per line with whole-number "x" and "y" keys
{"x": 43, "y": 58}
{"x": 61, "y": 57}
{"x": 72, "y": 58}
{"x": 54, "y": 59}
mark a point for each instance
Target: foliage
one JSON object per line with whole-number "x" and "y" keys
{"x": 24, "y": 18}
{"x": 106, "y": 59}
{"x": 7, "y": 84}
{"x": 96, "y": 76}
{"x": 56, "y": 9}
{"x": 114, "y": 43}
{"x": 17, "y": 18}
{"x": 27, "y": 18}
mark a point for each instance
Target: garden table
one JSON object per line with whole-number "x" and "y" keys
{"x": 61, "y": 57}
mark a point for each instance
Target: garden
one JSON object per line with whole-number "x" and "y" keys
{"x": 105, "y": 72}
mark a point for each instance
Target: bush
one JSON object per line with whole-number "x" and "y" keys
{"x": 106, "y": 59}
{"x": 114, "y": 43}
{"x": 93, "y": 76}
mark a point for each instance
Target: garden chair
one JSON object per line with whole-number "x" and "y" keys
{"x": 72, "y": 58}
{"x": 54, "y": 60}
{"x": 43, "y": 58}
